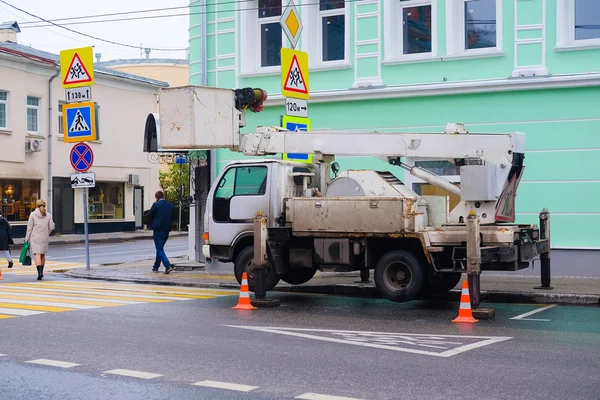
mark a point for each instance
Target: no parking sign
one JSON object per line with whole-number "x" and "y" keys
{"x": 82, "y": 157}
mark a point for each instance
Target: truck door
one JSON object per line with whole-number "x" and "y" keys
{"x": 240, "y": 193}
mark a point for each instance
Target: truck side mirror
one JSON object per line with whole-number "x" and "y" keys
{"x": 335, "y": 167}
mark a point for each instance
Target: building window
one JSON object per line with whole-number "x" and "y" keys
{"x": 410, "y": 27}
{"x": 333, "y": 29}
{"x": 33, "y": 112}
{"x": 480, "y": 24}
{"x": 269, "y": 12}
{"x": 262, "y": 37}
{"x": 578, "y": 23}
{"x": 18, "y": 198}
{"x": 3, "y": 110}
{"x": 106, "y": 200}
{"x": 60, "y": 118}
{"x": 474, "y": 27}
{"x": 587, "y": 19}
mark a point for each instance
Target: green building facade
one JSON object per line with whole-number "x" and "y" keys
{"x": 414, "y": 65}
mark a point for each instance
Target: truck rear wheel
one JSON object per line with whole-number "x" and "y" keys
{"x": 398, "y": 276}
{"x": 243, "y": 262}
{"x": 298, "y": 276}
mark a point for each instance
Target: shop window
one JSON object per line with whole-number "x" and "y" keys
{"x": 18, "y": 198}
{"x": 106, "y": 201}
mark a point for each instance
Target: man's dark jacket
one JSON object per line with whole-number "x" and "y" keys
{"x": 161, "y": 215}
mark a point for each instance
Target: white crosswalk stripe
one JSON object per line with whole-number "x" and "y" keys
{"x": 40, "y": 297}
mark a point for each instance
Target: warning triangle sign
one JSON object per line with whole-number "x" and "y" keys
{"x": 79, "y": 124}
{"x": 77, "y": 72}
{"x": 294, "y": 81}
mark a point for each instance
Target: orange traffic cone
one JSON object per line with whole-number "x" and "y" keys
{"x": 244, "y": 299}
{"x": 1, "y": 278}
{"x": 464, "y": 312}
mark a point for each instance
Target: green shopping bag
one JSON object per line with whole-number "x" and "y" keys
{"x": 25, "y": 258}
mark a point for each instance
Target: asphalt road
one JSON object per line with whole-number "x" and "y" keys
{"x": 102, "y": 253}
{"x": 312, "y": 344}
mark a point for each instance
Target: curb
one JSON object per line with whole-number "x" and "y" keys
{"x": 19, "y": 246}
{"x": 491, "y": 296}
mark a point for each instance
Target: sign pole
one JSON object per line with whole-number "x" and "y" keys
{"x": 85, "y": 228}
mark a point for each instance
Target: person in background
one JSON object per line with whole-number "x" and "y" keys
{"x": 5, "y": 239}
{"x": 161, "y": 215}
{"x": 39, "y": 228}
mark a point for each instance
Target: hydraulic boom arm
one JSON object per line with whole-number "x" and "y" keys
{"x": 491, "y": 165}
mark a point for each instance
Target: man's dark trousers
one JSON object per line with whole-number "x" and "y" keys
{"x": 160, "y": 239}
{"x": 161, "y": 215}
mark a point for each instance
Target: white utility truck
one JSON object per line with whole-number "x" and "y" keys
{"x": 321, "y": 218}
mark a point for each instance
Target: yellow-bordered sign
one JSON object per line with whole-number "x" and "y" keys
{"x": 77, "y": 67}
{"x": 79, "y": 122}
{"x": 294, "y": 74}
{"x": 296, "y": 124}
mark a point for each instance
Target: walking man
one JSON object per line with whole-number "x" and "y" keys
{"x": 161, "y": 215}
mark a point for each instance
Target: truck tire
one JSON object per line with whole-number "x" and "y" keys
{"x": 445, "y": 282}
{"x": 298, "y": 276}
{"x": 398, "y": 276}
{"x": 243, "y": 262}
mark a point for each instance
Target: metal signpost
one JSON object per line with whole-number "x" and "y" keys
{"x": 80, "y": 123}
{"x": 295, "y": 84}
{"x": 82, "y": 159}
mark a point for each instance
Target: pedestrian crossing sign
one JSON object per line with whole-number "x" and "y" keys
{"x": 77, "y": 67}
{"x": 79, "y": 122}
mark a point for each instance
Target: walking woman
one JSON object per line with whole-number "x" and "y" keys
{"x": 39, "y": 228}
{"x": 5, "y": 239}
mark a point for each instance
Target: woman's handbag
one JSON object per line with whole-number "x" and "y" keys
{"x": 25, "y": 258}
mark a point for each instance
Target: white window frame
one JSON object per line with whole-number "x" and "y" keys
{"x": 6, "y": 110}
{"x": 38, "y": 114}
{"x": 250, "y": 36}
{"x": 313, "y": 34}
{"x": 455, "y": 32}
{"x": 60, "y": 133}
{"x": 565, "y": 28}
{"x": 393, "y": 32}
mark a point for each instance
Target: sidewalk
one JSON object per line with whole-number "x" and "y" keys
{"x": 495, "y": 288}
{"x": 111, "y": 237}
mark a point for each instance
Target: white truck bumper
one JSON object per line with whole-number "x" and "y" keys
{"x": 206, "y": 251}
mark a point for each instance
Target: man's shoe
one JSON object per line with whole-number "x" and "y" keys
{"x": 10, "y": 264}
{"x": 154, "y": 270}
{"x": 169, "y": 269}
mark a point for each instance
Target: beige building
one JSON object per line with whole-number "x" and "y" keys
{"x": 35, "y": 160}
{"x": 176, "y": 72}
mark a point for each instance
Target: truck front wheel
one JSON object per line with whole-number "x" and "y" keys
{"x": 243, "y": 262}
{"x": 398, "y": 276}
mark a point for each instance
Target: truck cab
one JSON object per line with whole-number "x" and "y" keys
{"x": 242, "y": 189}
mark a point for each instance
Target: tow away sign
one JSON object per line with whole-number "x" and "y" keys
{"x": 83, "y": 180}
{"x": 296, "y": 107}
